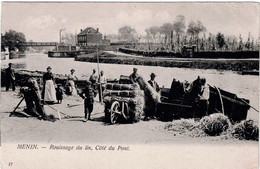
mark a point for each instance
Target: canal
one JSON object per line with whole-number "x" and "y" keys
{"x": 245, "y": 86}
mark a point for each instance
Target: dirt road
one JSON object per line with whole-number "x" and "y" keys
{"x": 149, "y": 136}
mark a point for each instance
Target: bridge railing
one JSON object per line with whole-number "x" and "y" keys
{"x": 39, "y": 43}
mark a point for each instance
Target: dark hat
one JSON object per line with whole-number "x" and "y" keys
{"x": 72, "y": 70}
{"x": 152, "y": 74}
{"x": 48, "y": 67}
{"x": 88, "y": 82}
{"x": 203, "y": 81}
{"x": 135, "y": 69}
{"x": 9, "y": 63}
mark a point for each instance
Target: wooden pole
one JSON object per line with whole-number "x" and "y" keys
{"x": 221, "y": 101}
{"x": 100, "y": 87}
{"x": 16, "y": 107}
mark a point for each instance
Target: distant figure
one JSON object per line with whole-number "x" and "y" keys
{"x": 88, "y": 95}
{"x": 201, "y": 102}
{"x": 10, "y": 77}
{"x": 71, "y": 84}
{"x": 102, "y": 84}
{"x": 59, "y": 93}
{"x": 49, "y": 94}
{"x": 153, "y": 83}
{"x": 133, "y": 77}
{"x": 93, "y": 79}
{"x": 33, "y": 99}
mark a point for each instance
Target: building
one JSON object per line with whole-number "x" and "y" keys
{"x": 91, "y": 37}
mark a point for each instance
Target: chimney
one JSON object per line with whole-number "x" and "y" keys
{"x": 80, "y": 30}
{"x": 97, "y": 30}
{"x": 105, "y": 37}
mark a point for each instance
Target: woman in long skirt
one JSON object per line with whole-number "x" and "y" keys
{"x": 71, "y": 84}
{"x": 49, "y": 93}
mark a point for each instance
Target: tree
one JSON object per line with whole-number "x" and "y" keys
{"x": 13, "y": 39}
{"x": 179, "y": 27}
{"x": 166, "y": 29}
{"x": 127, "y": 34}
{"x": 152, "y": 32}
{"x": 68, "y": 38}
{"x": 220, "y": 40}
{"x": 195, "y": 28}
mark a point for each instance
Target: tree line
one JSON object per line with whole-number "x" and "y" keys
{"x": 173, "y": 36}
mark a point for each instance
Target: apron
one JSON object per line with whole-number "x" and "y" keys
{"x": 49, "y": 92}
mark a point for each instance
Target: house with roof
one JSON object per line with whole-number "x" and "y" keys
{"x": 91, "y": 37}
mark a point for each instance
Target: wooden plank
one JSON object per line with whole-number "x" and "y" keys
{"x": 173, "y": 104}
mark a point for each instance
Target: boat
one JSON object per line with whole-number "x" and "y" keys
{"x": 175, "y": 105}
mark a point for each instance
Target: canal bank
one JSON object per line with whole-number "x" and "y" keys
{"x": 237, "y": 65}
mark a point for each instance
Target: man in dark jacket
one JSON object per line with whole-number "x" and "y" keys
{"x": 10, "y": 78}
{"x": 152, "y": 108}
{"x": 33, "y": 99}
{"x": 153, "y": 83}
{"x": 133, "y": 77}
{"x": 88, "y": 95}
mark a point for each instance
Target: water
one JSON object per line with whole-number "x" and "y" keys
{"x": 245, "y": 86}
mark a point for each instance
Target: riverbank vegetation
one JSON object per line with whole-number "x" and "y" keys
{"x": 219, "y": 64}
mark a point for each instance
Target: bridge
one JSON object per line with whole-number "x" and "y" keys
{"x": 39, "y": 43}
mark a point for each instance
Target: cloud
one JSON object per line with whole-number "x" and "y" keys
{"x": 42, "y": 28}
{"x": 141, "y": 19}
{"x": 42, "y": 22}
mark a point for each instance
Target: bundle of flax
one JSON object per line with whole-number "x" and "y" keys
{"x": 214, "y": 124}
{"x": 122, "y": 93}
{"x": 134, "y": 99}
{"x": 116, "y": 86}
{"x": 187, "y": 127}
{"x": 246, "y": 129}
{"x": 151, "y": 97}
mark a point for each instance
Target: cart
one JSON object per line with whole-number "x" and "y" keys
{"x": 118, "y": 108}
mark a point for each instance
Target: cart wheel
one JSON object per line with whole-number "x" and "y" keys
{"x": 114, "y": 112}
{"x": 125, "y": 110}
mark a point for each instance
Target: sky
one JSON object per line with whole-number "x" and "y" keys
{"x": 41, "y": 22}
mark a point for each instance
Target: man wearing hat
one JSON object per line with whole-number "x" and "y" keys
{"x": 133, "y": 77}
{"x": 153, "y": 83}
{"x": 10, "y": 77}
{"x": 88, "y": 95}
{"x": 93, "y": 79}
{"x": 201, "y": 103}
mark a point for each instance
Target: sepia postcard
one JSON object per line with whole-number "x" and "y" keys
{"x": 118, "y": 85}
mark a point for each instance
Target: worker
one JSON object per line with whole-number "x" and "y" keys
{"x": 201, "y": 102}
{"x": 88, "y": 95}
{"x": 10, "y": 77}
{"x": 153, "y": 83}
{"x": 71, "y": 84}
{"x": 102, "y": 84}
{"x": 93, "y": 79}
{"x": 33, "y": 99}
{"x": 49, "y": 93}
{"x": 133, "y": 77}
